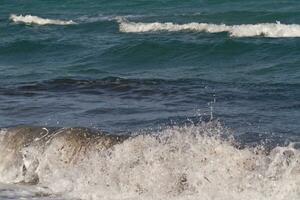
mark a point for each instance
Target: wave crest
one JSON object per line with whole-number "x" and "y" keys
{"x": 30, "y": 19}
{"x": 177, "y": 163}
{"x": 272, "y": 30}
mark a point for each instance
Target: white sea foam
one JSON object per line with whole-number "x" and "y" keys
{"x": 30, "y": 19}
{"x": 24, "y": 192}
{"x": 273, "y": 30}
{"x": 191, "y": 162}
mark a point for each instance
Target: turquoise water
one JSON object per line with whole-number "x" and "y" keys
{"x": 130, "y": 67}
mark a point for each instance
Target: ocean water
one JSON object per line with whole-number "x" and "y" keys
{"x": 150, "y": 99}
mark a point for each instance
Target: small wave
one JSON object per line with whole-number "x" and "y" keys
{"x": 272, "y": 30}
{"x": 189, "y": 162}
{"x": 106, "y": 18}
{"x": 30, "y": 19}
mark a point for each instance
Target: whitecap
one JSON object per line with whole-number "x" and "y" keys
{"x": 30, "y": 19}
{"x": 272, "y": 30}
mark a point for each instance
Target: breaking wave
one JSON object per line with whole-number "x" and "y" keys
{"x": 272, "y": 30}
{"x": 30, "y": 19}
{"x": 188, "y": 162}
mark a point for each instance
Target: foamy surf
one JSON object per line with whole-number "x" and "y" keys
{"x": 272, "y": 30}
{"x": 190, "y": 162}
{"x": 30, "y": 19}
{"x": 25, "y": 192}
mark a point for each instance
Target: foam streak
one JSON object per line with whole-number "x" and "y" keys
{"x": 30, "y": 19}
{"x": 272, "y": 30}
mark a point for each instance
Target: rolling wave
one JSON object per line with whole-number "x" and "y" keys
{"x": 30, "y": 19}
{"x": 177, "y": 163}
{"x": 272, "y": 30}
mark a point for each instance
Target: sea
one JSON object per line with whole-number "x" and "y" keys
{"x": 149, "y": 99}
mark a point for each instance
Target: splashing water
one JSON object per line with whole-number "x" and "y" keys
{"x": 188, "y": 162}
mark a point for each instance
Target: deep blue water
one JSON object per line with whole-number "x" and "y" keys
{"x": 91, "y": 74}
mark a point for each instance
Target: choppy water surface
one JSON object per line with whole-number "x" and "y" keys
{"x": 158, "y": 71}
